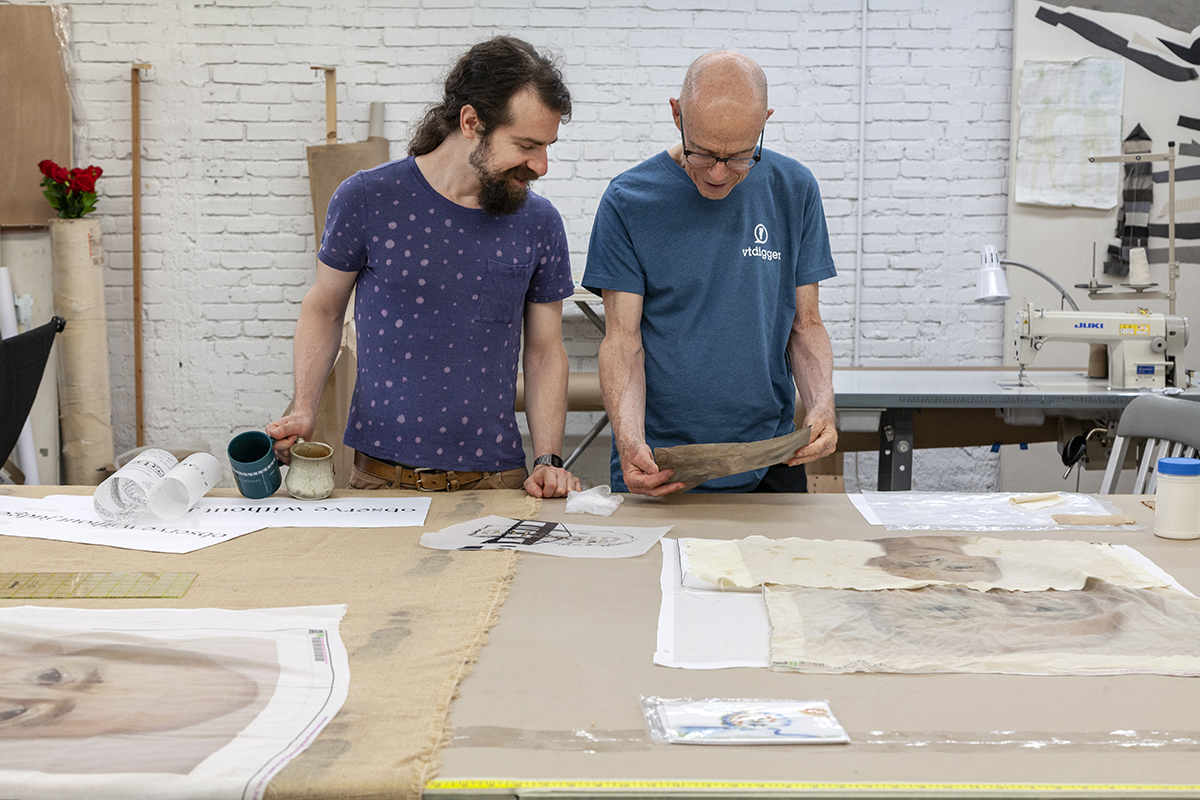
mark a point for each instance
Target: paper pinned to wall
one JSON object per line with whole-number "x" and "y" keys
{"x": 1069, "y": 111}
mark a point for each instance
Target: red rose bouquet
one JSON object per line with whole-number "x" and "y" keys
{"x": 72, "y": 193}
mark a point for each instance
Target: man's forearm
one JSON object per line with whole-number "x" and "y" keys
{"x": 546, "y": 375}
{"x": 812, "y": 366}
{"x": 315, "y": 348}
{"x": 623, "y": 382}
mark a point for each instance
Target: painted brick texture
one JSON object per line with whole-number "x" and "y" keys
{"x": 231, "y": 103}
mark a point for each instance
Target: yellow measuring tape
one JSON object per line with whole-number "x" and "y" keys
{"x": 33, "y": 585}
{"x": 435, "y": 785}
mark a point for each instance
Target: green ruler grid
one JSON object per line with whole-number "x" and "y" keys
{"x": 22, "y": 585}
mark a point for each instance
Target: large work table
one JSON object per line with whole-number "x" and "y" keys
{"x": 552, "y": 704}
{"x": 554, "y": 700}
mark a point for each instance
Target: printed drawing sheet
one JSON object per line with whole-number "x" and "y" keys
{"x": 907, "y": 562}
{"x": 71, "y": 518}
{"x": 553, "y": 538}
{"x": 1069, "y": 111}
{"x": 1101, "y": 629}
{"x": 162, "y": 703}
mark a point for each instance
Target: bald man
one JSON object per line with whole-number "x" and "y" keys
{"x": 708, "y": 257}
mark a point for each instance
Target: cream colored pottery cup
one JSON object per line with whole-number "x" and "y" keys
{"x": 310, "y": 476}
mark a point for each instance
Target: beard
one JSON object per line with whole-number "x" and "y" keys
{"x": 497, "y": 195}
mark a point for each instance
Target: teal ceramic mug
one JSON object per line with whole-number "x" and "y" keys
{"x": 255, "y": 469}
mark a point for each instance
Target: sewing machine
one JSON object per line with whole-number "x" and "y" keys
{"x": 1143, "y": 348}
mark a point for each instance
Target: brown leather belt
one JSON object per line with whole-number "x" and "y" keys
{"x": 419, "y": 478}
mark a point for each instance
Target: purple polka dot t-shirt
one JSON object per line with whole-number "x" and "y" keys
{"x": 439, "y": 302}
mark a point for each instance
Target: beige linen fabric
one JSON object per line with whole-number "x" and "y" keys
{"x": 415, "y": 621}
{"x": 906, "y": 562}
{"x": 696, "y": 463}
{"x": 1100, "y": 629}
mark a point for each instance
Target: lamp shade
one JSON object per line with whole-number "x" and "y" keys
{"x": 990, "y": 284}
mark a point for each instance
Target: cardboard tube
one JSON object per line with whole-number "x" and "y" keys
{"x": 375, "y": 123}
{"x": 85, "y": 400}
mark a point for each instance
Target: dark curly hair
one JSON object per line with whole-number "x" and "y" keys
{"x": 486, "y": 78}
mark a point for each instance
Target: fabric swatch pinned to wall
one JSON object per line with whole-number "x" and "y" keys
{"x": 1137, "y": 193}
{"x": 1102, "y": 37}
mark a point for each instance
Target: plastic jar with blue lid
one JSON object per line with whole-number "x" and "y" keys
{"x": 1177, "y": 499}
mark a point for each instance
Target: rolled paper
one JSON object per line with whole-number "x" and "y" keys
{"x": 1139, "y": 267}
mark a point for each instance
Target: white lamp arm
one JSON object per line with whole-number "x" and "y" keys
{"x": 1053, "y": 282}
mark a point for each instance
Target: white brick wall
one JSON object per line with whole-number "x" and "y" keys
{"x": 231, "y": 103}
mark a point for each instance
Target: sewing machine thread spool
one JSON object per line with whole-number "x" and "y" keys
{"x": 1139, "y": 267}
{"x": 1177, "y": 499}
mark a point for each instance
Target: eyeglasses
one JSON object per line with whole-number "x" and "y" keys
{"x": 704, "y": 161}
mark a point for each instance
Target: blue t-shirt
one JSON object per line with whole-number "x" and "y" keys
{"x": 439, "y": 303}
{"x": 718, "y": 280}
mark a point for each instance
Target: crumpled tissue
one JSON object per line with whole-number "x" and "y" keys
{"x": 598, "y": 500}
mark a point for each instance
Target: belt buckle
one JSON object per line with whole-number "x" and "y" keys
{"x": 421, "y": 487}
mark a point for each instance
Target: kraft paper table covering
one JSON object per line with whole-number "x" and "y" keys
{"x": 574, "y": 712}
{"x": 414, "y": 624}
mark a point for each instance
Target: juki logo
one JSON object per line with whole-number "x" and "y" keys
{"x": 760, "y": 238}
{"x": 1089, "y": 324}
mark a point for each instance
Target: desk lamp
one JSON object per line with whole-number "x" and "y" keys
{"x": 991, "y": 286}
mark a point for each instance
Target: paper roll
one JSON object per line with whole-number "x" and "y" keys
{"x": 1139, "y": 267}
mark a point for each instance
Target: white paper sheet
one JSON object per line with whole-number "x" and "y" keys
{"x": 981, "y": 511}
{"x": 71, "y": 518}
{"x": 162, "y": 703}
{"x": 708, "y": 628}
{"x": 551, "y": 538}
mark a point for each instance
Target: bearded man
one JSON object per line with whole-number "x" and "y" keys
{"x": 450, "y": 256}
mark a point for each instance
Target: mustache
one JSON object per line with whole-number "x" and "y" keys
{"x": 522, "y": 173}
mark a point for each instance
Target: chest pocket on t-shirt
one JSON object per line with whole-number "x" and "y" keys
{"x": 502, "y": 297}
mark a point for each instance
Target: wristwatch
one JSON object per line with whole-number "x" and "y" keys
{"x": 550, "y": 459}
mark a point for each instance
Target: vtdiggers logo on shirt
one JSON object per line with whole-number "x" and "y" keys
{"x": 758, "y": 251}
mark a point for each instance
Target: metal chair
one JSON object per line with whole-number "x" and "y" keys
{"x": 22, "y": 360}
{"x": 1170, "y": 426}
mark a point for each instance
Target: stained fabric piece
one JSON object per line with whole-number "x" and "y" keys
{"x": 1103, "y": 37}
{"x": 22, "y": 361}
{"x": 1189, "y": 54}
{"x": 1133, "y": 216}
{"x": 696, "y": 463}
{"x": 909, "y": 562}
{"x": 1099, "y": 630}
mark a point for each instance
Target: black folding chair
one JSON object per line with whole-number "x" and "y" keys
{"x": 22, "y": 361}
